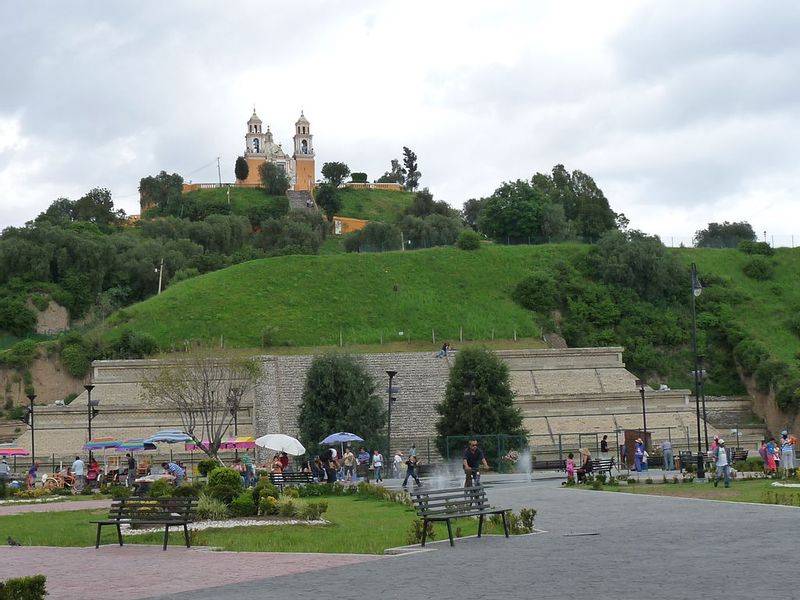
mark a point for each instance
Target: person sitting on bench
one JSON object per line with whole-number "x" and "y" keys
{"x": 586, "y": 465}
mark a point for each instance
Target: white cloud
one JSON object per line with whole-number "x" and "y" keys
{"x": 684, "y": 113}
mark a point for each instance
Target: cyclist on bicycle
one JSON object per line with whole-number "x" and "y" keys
{"x": 473, "y": 459}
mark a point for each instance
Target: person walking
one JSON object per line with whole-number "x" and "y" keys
{"x": 249, "y": 472}
{"x": 131, "y": 470}
{"x": 638, "y": 453}
{"x": 669, "y": 459}
{"x": 722, "y": 460}
{"x": 397, "y": 464}
{"x": 787, "y": 452}
{"x": 348, "y": 464}
{"x": 772, "y": 450}
{"x": 411, "y": 471}
{"x": 604, "y": 447}
{"x": 377, "y": 465}
{"x": 79, "y": 472}
{"x": 5, "y": 471}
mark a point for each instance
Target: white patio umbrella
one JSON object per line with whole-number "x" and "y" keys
{"x": 281, "y": 443}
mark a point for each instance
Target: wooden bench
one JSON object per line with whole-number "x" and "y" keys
{"x": 166, "y": 512}
{"x": 739, "y": 454}
{"x": 549, "y": 465}
{"x": 454, "y": 503}
{"x": 290, "y": 478}
{"x": 602, "y": 465}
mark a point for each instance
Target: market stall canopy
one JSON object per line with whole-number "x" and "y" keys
{"x": 168, "y": 436}
{"x": 101, "y": 443}
{"x": 12, "y": 450}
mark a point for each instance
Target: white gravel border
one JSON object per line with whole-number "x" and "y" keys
{"x": 22, "y": 501}
{"x": 226, "y": 524}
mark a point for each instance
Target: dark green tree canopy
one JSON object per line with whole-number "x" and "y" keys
{"x": 724, "y": 235}
{"x": 395, "y": 175}
{"x": 489, "y": 410}
{"x": 335, "y": 173}
{"x": 241, "y": 169}
{"x": 96, "y": 206}
{"x": 163, "y": 190}
{"x": 328, "y": 200}
{"x": 411, "y": 169}
{"x": 273, "y": 178}
{"x": 639, "y": 262}
{"x": 340, "y": 395}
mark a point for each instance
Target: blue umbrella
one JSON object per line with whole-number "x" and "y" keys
{"x": 341, "y": 437}
{"x": 170, "y": 436}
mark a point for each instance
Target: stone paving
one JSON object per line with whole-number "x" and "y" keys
{"x": 8, "y": 509}
{"x": 595, "y": 545}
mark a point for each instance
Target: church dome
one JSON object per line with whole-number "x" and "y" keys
{"x": 254, "y": 118}
{"x": 302, "y": 120}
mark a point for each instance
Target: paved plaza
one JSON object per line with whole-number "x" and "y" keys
{"x": 594, "y": 545}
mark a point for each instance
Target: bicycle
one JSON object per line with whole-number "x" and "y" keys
{"x": 473, "y": 477}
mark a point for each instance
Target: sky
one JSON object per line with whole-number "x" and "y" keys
{"x": 683, "y": 112}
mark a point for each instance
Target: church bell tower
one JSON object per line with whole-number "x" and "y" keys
{"x": 305, "y": 175}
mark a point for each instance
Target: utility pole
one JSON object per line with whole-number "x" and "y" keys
{"x": 219, "y": 173}
{"x": 160, "y": 274}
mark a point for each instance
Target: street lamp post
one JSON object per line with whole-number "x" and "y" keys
{"x": 640, "y": 385}
{"x": 91, "y": 411}
{"x": 390, "y": 391}
{"x": 32, "y": 397}
{"x": 470, "y": 395}
{"x": 697, "y": 289}
{"x": 234, "y": 399}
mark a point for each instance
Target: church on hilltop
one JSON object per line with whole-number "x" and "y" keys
{"x": 260, "y": 148}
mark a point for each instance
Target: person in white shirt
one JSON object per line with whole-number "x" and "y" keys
{"x": 79, "y": 471}
{"x": 723, "y": 464}
{"x": 397, "y": 464}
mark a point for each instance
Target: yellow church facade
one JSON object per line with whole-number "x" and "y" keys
{"x": 260, "y": 147}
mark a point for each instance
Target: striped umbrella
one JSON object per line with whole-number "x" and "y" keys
{"x": 135, "y": 446}
{"x": 169, "y": 436}
{"x": 12, "y": 450}
{"x": 232, "y": 443}
{"x": 101, "y": 443}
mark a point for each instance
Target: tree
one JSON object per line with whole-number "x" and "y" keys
{"x": 410, "y": 168}
{"x": 471, "y": 212}
{"x": 241, "y": 169}
{"x": 724, "y": 235}
{"x": 375, "y": 237}
{"x": 640, "y": 262}
{"x": 512, "y": 213}
{"x": 164, "y": 191}
{"x": 478, "y": 401}
{"x": 340, "y": 395}
{"x": 273, "y": 178}
{"x": 335, "y": 173}
{"x": 396, "y": 175}
{"x": 205, "y": 390}
{"x": 328, "y": 199}
{"x": 425, "y": 205}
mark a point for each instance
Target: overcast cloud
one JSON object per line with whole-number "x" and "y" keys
{"x": 684, "y": 112}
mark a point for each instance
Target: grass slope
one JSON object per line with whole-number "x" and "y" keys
{"x": 372, "y": 205}
{"x": 370, "y": 298}
{"x": 762, "y": 307}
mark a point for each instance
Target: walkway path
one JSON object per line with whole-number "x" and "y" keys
{"x": 638, "y": 547}
{"x": 8, "y": 509}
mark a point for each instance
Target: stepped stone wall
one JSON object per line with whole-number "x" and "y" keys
{"x": 558, "y": 390}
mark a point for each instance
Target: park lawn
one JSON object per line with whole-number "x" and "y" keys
{"x": 740, "y": 490}
{"x": 357, "y": 526}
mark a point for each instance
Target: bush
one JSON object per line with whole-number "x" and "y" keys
{"x": 315, "y": 489}
{"x": 118, "y": 491}
{"x": 160, "y": 488}
{"x": 224, "y": 493}
{"x": 76, "y": 360}
{"x": 518, "y": 523}
{"x": 224, "y": 476}
{"x": 287, "y": 507}
{"x": 24, "y": 588}
{"x": 205, "y": 466}
{"x": 762, "y": 248}
{"x": 268, "y": 506}
{"x": 750, "y": 354}
{"x": 188, "y": 490}
{"x": 3, "y": 489}
{"x": 244, "y": 505}
{"x": 311, "y": 511}
{"x": 358, "y": 177}
{"x": 468, "y": 240}
{"x": 758, "y": 268}
{"x": 266, "y": 488}
{"x": 211, "y": 508}
{"x": 414, "y": 534}
{"x": 769, "y": 373}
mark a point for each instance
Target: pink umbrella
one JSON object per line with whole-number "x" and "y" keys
{"x": 12, "y": 450}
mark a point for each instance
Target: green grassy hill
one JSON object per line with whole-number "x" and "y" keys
{"x": 368, "y": 298}
{"x": 372, "y": 205}
{"x": 309, "y": 301}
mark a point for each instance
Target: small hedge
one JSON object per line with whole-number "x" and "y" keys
{"x": 758, "y": 268}
{"x": 468, "y": 240}
{"x": 24, "y": 588}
